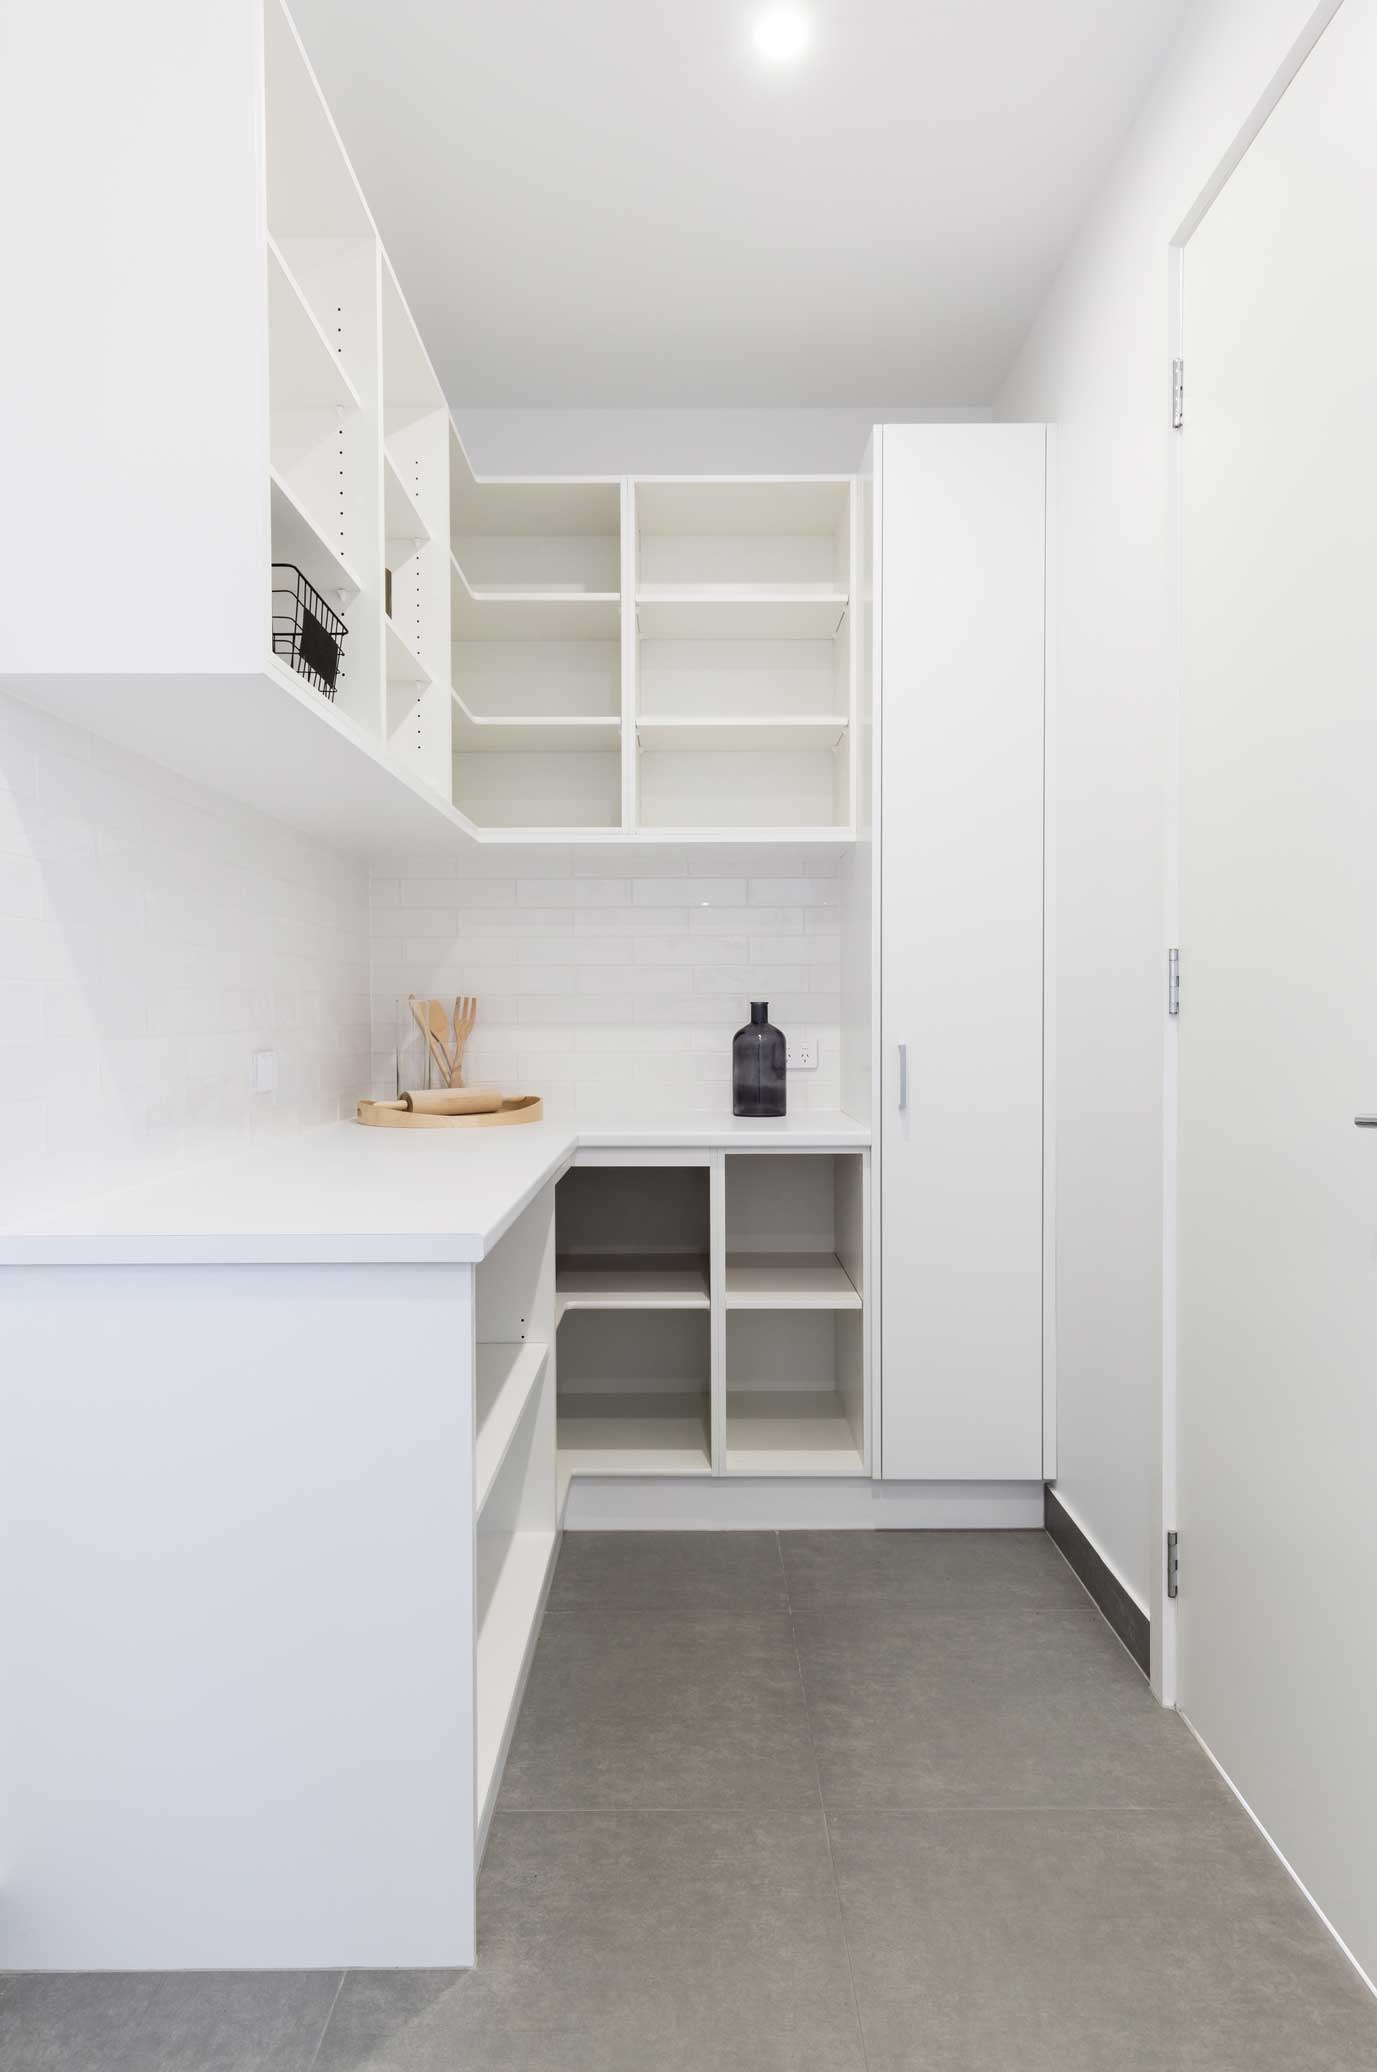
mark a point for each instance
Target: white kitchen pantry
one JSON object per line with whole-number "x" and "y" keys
{"x": 760, "y": 1469}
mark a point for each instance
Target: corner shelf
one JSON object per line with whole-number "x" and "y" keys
{"x": 304, "y": 370}
{"x": 402, "y": 520}
{"x": 642, "y": 1433}
{"x": 514, "y": 614}
{"x": 296, "y": 537}
{"x": 789, "y": 1280}
{"x": 666, "y": 1281}
{"x": 739, "y": 611}
{"x": 506, "y": 1376}
{"x": 789, "y": 1432}
{"x": 820, "y": 731}
{"x": 404, "y": 665}
{"x": 477, "y": 734}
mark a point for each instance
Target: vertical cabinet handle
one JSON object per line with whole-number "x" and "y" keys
{"x": 903, "y": 1075}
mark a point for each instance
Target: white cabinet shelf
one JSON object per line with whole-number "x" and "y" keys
{"x": 790, "y": 1432}
{"x": 485, "y": 615}
{"x": 478, "y": 735}
{"x": 514, "y": 1573}
{"x": 305, "y": 372}
{"x": 297, "y": 538}
{"x": 789, "y": 1280}
{"x": 732, "y": 611}
{"x": 404, "y": 665}
{"x": 670, "y": 1281}
{"x": 506, "y": 1377}
{"x": 631, "y": 1433}
{"x": 402, "y": 519}
{"x": 809, "y": 731}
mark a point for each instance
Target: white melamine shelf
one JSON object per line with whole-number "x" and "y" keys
{"x": 505, "y": 1376}
{"x": 481, "y": 615}
{"x": 669, "y": 1281}
{"x": 297, "y": 538}
{"x": 741, "y": 506}
{"x": 506, "y": 1621}
{"x": 823, "y": 730}
{"x": 739, "y": 611}
{"x": 789, "y": 1280}
{"x": 514, "y": 506}
{"x": 304, "y": 370}
{"x": 646, "y": 1433}
{"x": 402, "y": 518}
{"x": 789, "y": 1432}
{"x": 404, "y": 665}
{"x": 544, "y": 734}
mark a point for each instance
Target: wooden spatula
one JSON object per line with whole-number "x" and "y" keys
{"x": 424, "y": 1011}
{"x": 465, "y": 1015}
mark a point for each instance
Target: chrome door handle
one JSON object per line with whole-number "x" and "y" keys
{"x": 1362, "y": 1122}
{"x": 903, "y": 1076}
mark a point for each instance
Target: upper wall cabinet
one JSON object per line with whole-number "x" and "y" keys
{"x": 304, "y": 596}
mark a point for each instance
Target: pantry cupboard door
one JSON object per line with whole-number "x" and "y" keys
{"x": 962, "y": 562}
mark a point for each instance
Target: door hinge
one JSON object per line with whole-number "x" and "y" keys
{"x": 1173, "y": 982}
{"x": 1173, "y": 1564}
{"x": 1178, "y": 394}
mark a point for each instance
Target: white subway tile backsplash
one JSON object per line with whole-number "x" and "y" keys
{"x": 698, "y": 892}
{"x": 612, "y": 980}
{"x": 174, "y": 934}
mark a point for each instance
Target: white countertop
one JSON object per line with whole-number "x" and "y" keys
{"x": 343, "y": 1195}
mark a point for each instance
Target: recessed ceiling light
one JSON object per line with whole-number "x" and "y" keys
{"x": 782, "y": 34}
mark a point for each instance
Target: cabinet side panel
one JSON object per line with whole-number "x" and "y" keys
{"x": 133, "y": 362}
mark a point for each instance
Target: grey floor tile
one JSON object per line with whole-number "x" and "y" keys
{"x": 78, "y": 2021}
{"x": 1085, "y": 1942}
{"x": 236, "y": 2021}
{"x": 626, "y": 1942}
{"x": 927, "y": 1571}
{"x": 953, "y": 1709}
{"x": 669, "y": 1571}
{"x": 652, "y": 1711}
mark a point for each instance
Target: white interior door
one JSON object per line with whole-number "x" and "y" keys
{"x": 962, "y": 635}
{"x": 1277, "y": 1350}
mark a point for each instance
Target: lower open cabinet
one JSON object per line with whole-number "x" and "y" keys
{"x": 711, "y": 1316}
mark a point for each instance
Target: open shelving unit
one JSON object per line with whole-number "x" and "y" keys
{"x": 743, "y": 678}
{"x": 712, "y": 1317}
{"x": 514, "y": 1478}
{"x": 535, "y": 628}
{"x": 635, "y": 1325}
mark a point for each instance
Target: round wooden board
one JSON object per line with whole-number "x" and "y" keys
{"x": 382, "y": 1115}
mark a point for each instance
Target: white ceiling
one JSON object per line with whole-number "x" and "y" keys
{"x": 616, "y": 202}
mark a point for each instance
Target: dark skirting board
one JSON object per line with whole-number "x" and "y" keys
{"x": 1128, "y": 1619}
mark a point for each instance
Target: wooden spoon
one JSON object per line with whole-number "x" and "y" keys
{"x": 465, "y": 1015}
{"x": 422, "y": 1011}
{"x": 439, "y": 1029}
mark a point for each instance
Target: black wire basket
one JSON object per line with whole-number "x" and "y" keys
{"x": 307, "y": 635}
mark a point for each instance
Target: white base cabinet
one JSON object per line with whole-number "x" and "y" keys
{"x": 960, "y": 556}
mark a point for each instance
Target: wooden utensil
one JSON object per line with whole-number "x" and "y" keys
{"x": 454, "y": 1100}
{"x": 390, "y": 1115}
{"x": 439, "y": 1029}
{"x": 465, "y": 1015}
{"x": 422, "y": 1011}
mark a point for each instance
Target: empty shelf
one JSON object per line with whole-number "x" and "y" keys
{"x": 403, "y": 663}
{"x": 297, "y": 538}
{"x": 670, "y": 1281}
{"x": 646, "y": 1433}
{"x": 789, "y": 1280}
{"x": 479, "y": 615}
{"x": 823, "y": 731}
{"x": 304, "y": 370}
{"x": 505, "y": 1378}
{"x": 481, "y": 734}
{"x": 789, "y": 1432}
{"x": 739, "y": 611}
{"x": 402, "y": 518}
{"x": 512, "y": 1577}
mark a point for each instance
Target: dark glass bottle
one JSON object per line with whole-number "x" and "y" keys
{"x": 758, "y": 1065}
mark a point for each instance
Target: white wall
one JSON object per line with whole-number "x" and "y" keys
{"x": 1096, "y": 363}
{"x": 675, "y": 442}
{"x": 152, "y": 938}
{"x": 611, "y": 982}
